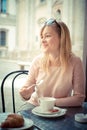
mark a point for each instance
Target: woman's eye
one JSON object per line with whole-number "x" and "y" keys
{"x": 47, "y": 35}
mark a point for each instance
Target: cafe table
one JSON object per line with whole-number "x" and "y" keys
{"x": 64, "y": 122}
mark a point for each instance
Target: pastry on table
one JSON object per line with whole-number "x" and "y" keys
{"x": 13, "y": 121}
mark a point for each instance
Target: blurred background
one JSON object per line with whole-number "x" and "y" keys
{"x": 20, "y": 23}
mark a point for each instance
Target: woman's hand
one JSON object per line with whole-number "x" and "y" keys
{"x": 25, "y": 92}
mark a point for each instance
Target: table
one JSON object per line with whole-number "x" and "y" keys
{"x": 23, "y": 64}
{"x": 66, "y": 122}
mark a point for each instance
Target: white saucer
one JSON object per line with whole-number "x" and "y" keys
{"x": 28, "y": 123}
{"x": 37, "y": 111}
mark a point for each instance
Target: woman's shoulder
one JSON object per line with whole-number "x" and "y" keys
{"x": 36, "y": 61}
{"x": 75, "y": 59}
{"x": 37, "y": 58}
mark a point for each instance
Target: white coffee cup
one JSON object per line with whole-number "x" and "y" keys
{"x": 46, "y": 103}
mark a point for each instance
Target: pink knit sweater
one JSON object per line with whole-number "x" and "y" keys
{"x": 68, "y": 88}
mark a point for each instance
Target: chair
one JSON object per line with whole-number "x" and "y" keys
{"x": 15, "y": 75}
{"x": 86, "y": 81}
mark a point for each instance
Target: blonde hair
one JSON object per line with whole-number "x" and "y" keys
{"x": 65, "y": 46}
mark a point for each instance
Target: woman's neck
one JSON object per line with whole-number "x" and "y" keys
{"x": 54, "y": 59}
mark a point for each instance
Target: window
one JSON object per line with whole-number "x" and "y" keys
{"x": 2, "y": 38}
{"x": 42, "y": 0}
{"x": 3, "y": 6}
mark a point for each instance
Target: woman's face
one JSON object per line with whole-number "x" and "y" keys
{"x": 50, "y": 40}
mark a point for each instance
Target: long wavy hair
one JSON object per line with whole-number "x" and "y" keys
{"x": 64, "y": 45}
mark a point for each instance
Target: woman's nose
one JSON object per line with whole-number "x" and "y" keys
{"x": 43, "y": 40}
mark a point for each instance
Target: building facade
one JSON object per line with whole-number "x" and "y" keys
{"x": 7, "y": 26}
{"x": 21, "y": 20}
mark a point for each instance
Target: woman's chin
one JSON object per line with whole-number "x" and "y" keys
{"x": 45, "y": 50}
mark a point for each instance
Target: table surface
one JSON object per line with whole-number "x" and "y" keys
{"x": 66, "y": 122}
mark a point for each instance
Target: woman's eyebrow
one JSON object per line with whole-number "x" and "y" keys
{"x": 47, "y": 33}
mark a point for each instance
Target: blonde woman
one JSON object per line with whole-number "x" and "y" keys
{"x": 57, "y": 72}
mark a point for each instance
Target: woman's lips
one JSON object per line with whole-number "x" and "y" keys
{"x": 44, "y": 45}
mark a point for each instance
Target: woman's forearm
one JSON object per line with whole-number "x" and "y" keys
{"x": 70, "y": 101}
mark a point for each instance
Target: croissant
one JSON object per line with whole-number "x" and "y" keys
{"x": 13, "y": 121}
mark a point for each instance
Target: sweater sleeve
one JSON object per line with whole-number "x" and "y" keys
{"x": 33, "y": 71}
{"x": 78, "y": 79}
{"x": 29, "y": 86}
{"x": 78, "y": 82}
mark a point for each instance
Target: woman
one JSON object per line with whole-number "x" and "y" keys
{"x": 57, "y": 72}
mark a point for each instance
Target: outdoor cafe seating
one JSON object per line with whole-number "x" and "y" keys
{"x": 69, "y": 118}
